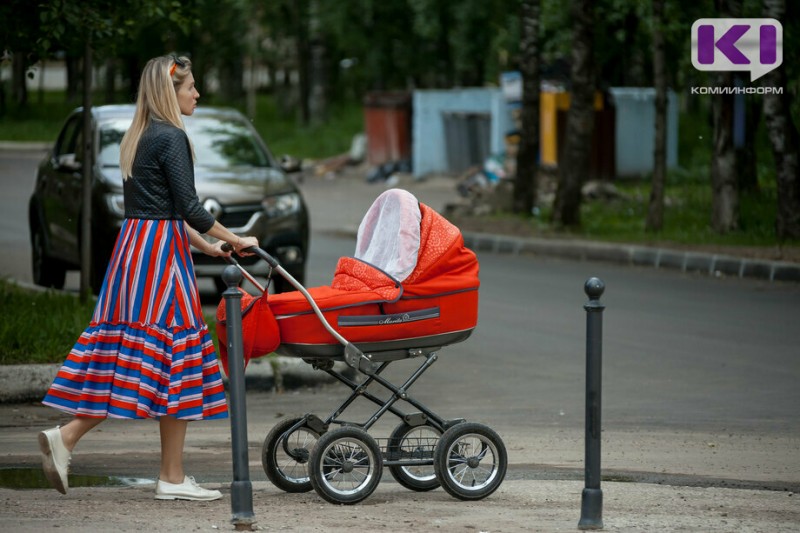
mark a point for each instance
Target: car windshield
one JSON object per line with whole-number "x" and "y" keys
{"x": 218, "y": 142}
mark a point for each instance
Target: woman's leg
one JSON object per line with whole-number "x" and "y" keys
{"x": 56, "y": 445}
{"x": 173, "y": 484}
{"x": 76, "y": 428}
{"x": 173, "y": 435}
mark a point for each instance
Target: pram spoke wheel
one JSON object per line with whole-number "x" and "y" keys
{"x": 413, "y": 443}
{"x": 346, "y": 465}
{"x": 285, "y": 461}
{"x": 470, "y": 461}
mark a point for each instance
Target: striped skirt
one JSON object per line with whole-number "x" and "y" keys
{"x": 147, "y": 352}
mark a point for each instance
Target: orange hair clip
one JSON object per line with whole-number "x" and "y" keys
{"x": 172, "y": 69}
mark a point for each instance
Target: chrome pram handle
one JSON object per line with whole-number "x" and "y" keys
{"x": 352, "y": 355}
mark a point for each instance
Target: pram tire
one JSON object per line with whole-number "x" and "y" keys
{"x": 346, "y": 465}
{"x": 470, "y": 461}
{"x": 288, "y": 472}
{"x": 400, "y": 440}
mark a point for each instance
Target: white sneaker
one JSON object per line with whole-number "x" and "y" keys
{"x": 55, "y": 458}
{"x": 188, "y": 490}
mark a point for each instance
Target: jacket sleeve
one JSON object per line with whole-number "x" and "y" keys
{"x": 176, "y": 162}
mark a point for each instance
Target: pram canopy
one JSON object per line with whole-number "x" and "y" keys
{"x": 411, "y": 284}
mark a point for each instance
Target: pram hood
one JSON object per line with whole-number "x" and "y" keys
{"x": 434, "y": 257}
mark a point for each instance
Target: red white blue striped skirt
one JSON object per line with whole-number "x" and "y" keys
{"x": 147, "y": 352}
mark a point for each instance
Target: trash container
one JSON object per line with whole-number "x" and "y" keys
{"x": 387, "y": 124}
{"x": 467, "y": 139}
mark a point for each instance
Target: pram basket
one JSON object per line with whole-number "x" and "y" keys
{"x": 368, "y": 325}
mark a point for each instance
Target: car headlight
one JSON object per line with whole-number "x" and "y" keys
{"x": 116, "y": 204}
{"x": 281, "y": 205}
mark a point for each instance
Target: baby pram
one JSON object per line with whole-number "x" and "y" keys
{"x": 411, "y": 289}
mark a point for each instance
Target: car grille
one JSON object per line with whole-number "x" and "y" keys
{"x": 236, "y": 217}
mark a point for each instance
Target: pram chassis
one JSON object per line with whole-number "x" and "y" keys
{"x": 344, "y": 465}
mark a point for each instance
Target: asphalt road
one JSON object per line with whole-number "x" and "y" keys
{"x": 682, "y": 354}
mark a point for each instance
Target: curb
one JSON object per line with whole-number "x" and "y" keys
{"x": 716, "y": 265}
{"x": 25, "y": 146}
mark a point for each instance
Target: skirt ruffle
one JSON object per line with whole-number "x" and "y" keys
{"x": 147, "y": 352}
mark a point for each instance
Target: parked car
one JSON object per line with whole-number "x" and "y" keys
{"x": 237, "y": 180}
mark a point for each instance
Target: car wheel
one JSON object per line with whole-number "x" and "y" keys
{"x": 47, "y": 272}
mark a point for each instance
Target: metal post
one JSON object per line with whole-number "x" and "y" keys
{"x": 592, "y": 496}
{"x": 241, "y": 488}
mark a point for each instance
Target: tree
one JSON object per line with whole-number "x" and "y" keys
{"x": 18, "y": 38}
{"x": 580, "y": 117}
{"x": 783, "y": 137}
{"x": 525, "y": 183}
{"x": 724, "y": 169}
{"x": 655, "y": 212}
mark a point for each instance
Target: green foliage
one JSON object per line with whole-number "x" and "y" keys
{"x": 283, "y": 133}
{"x": 39, "y": 122}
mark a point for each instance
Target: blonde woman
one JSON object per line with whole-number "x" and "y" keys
{"x": 147, "y": 352}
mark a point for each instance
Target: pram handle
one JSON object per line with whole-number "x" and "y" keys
{"x": 353, "y": 355}
{"x": 271, "y": 261}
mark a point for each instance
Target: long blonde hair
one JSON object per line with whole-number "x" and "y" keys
{"x": 157, "y": 98}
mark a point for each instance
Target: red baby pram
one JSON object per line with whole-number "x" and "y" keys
{"x": 411, "y": 289}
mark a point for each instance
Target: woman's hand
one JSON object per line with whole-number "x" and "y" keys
{"x": 215, "y": 250}
{"x": 243, "y": 243}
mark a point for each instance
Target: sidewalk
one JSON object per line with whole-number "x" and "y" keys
{"x": 541, "y": 496}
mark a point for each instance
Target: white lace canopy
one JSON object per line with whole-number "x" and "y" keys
{"x": 388, "y": 236}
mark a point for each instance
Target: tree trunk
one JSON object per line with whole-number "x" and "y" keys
{"x": 574, "y": 162}
{"x": 746, "y": 151}
{"x": 73, "y": 78}
{"x": 525, "y": 182}
{"x": 86, "y": 201}
{"x": 724, "y": 169}
{"x": 19, "y": 80}
{"x": 318, "y": 82}
{"x": 655, "y": 212}
{"x": 784, "y": 139}
{"x": 110, "y": 88}
{"x": 300, "y": 14}
{"x": 724, "y": 174}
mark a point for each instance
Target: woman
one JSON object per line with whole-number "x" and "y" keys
{"x": 147, "y": 352}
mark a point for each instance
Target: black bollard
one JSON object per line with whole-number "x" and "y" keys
{"x": 241, "y": 488}
{"x": 592, "y": 496}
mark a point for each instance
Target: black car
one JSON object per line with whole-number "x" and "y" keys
{"x": 237, "y": 180}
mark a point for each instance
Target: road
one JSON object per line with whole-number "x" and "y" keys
{"x": 699, "y": 374}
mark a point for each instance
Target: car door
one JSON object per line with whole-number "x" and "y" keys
{"x": 60, "y": 205}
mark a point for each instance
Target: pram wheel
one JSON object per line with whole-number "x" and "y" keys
{"x": 285, "y": 461}
{"x": 346, "y": 465}
{"x": 470, "y": 461}
{"x": 413, "y": 443}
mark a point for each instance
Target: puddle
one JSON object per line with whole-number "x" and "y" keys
{"x": 33, "y": 478}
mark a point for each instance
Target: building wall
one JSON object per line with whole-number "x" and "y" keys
{"x": 429, "y": 144}
{"x": 635, "y": 129}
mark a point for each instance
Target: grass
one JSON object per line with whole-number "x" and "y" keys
{"x": 39, "y": 326}
{"x": 42, "y": 326}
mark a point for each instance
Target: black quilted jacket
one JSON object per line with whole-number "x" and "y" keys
{"x": 162, "y": 184}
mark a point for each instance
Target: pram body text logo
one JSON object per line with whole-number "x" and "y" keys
{"x": 726, "y": 44}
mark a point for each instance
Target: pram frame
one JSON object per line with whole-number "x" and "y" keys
{"x": 451, "y": 431}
